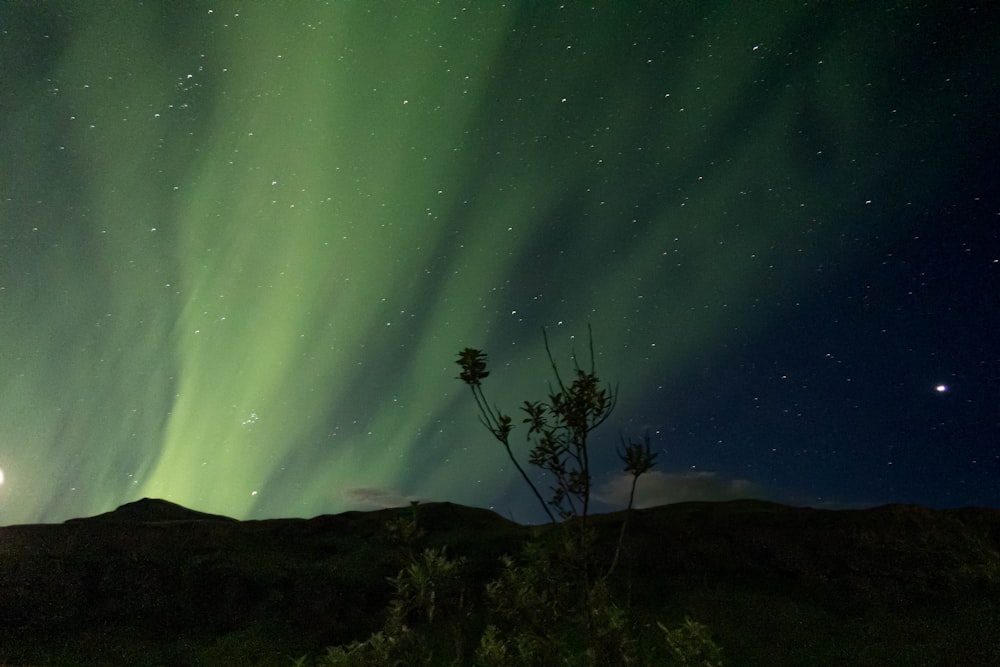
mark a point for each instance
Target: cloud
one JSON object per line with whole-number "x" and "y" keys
{"x": 369, "y": 498}
{"x": 661, "y": 488}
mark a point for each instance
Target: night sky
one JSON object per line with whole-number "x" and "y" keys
{"x": 241, "y": 244}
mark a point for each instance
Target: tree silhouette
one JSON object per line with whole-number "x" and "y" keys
{"x": 546, "y": 607}
{"x": 559, "y": 430}
{"x": 473, "y": 363}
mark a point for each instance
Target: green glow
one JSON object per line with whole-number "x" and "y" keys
{"x": 297, "y": 240}
{"x": 288, "y": 227}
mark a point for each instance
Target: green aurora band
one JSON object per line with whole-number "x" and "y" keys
{"x": 246, "y": 243}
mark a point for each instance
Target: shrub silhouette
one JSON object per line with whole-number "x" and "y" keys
{"x": 425, "y": 617}
{"x": 555, "y": 593}
{"x": 553, "y": 605}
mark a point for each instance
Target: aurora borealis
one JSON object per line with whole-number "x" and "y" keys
{"x": 241, "y": 244}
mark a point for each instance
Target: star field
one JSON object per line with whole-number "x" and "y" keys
{"x": 242, "y": 243}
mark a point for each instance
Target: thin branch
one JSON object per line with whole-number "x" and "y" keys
{"x": 486, "y": 414}
{"x": 552, "y": 361}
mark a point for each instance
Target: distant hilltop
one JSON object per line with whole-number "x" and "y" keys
{"x": 154, "y": 510}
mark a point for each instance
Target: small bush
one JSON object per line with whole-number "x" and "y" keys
{"x": 553, "y": 605}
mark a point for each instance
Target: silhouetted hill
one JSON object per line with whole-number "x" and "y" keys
{"x": 156, "y": 583}
{"x": 152, "y": 509}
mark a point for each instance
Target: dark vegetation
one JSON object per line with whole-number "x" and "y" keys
{"x": 556, "y": 603}
{"x": 153, "y": 583}
{"x": 777, "y": 585}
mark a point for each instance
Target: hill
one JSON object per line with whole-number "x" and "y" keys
{"x": 152, "y": 509}
{"x": 159, "y": 584}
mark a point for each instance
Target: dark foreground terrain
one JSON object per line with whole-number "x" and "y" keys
{"x": 153, "y": 583}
